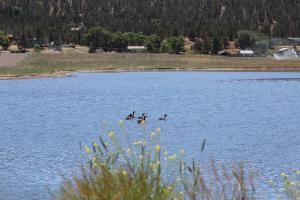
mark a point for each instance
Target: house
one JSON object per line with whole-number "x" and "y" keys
{"x": 136, "y": 49}
{"x": 224, "y": 53}
{"x": 286, "y": 53}
{"x": 11, "y": 37}
{"x": 247, "y": 53}
{"x": 294, "y": 41}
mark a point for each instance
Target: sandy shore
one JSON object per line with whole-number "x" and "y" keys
{"x": 63, "y": 74}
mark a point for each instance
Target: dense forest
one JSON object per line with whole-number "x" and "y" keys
{"x": 66, "y": 20}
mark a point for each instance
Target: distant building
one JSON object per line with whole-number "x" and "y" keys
{"x": 11, "y": 37}
{"x": 224, "y": 53}
{"x": 294, "y": 41}
{"x": 136, "y": 49}
{"x": 286, "y": 53}
{"x": 247, "y": 53}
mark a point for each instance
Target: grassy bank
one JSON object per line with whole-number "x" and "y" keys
{"x": 47, "y": 64}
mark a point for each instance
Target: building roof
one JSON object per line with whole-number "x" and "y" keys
{"x": 283, "y": 49}
{"x": 247, "y": 52}
{"x": 294, "y": 39}
{"x": 136, "y": 48}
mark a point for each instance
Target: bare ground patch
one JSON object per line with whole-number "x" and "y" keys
{"x": 11, "y": 59}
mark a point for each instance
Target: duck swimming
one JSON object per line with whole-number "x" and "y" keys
{"x": 164, "y": 118}
{"x": 142, "y": 117}
{"x": 130, "y": 116}
{"x": 142, "y": 120}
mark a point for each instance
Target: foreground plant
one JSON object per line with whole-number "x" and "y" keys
{"x": 290, "y": 186}
{"x": 141, "y": 170}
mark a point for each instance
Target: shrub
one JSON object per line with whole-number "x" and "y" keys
{"x": 139, "y": 172}
{"x": 37, "y": 48}
{"x": 198, "y": 46}
{"x": 4, "y": 41}
{"x": 172, "y": 45}
{"x": 165, "y": 47}
{"x": 114, "y": 172}
{"x": 152, "y": 42}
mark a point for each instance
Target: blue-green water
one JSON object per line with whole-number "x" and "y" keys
{"x": 251, "y": 117}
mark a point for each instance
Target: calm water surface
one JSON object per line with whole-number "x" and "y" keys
{"x": 251, "y": 117}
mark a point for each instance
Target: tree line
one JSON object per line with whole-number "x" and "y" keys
{"x": 68, "y": 20}
{"x": 100, "y": 38}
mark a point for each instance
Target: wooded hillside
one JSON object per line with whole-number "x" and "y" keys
{"x": 53, "y": 19}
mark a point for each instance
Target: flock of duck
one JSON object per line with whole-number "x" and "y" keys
{"x": 142, "y": 119}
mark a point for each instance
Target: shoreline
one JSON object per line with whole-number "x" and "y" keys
{"x": 64, "y": 74}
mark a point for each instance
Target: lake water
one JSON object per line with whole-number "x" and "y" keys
{"x": 251, "y": 117}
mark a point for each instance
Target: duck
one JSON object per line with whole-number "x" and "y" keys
{"x": 164, "y": 118}
{"x": 142, "y": 120}
{"x": 142, "y": 117}
{"x": 130, "y": 116}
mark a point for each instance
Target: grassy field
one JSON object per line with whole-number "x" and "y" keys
{"x": 38, "y": 64}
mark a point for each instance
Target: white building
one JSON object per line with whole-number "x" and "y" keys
{"x": 286, "y": 53}
{"x": 247, "y": 53}
{"x": 136, "y": 49}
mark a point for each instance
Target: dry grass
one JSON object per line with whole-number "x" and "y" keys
{"x": 37, "y": 64}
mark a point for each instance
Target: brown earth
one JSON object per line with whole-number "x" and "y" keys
{"x": 11, "y": 59}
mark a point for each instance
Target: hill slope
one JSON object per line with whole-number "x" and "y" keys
{"x": 54, "y": 18}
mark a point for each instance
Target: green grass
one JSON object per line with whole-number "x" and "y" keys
{"x": 39, "y": 64}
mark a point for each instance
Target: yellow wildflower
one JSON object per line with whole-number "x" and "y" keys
{"x": 111, "y": 135}
{"x": 141, "y": 157}
{"x": 292, "y": 183}
{"x": 173, "y": 157}
{"x": 270, "y": 182}
{"x": 158, "y": 130}
{"x": 87, "y": 149}
{"x": 94, "y": 158}
{"x": 124, "y": 173}
{"x": 152, "y": 135}
{"x": 140, "y": 142}
{"x": 157, "y": 148}
{"x": 153, "y": 166}
{"x": 298, "y": 172}
{"x": 129, "y": 151}
{"x": 95, "y": 145}
{"x": 284, "y": 175}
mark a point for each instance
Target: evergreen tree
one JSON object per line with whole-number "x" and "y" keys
{"x": 4, "y": 40}
{"x": 216, "y": 46}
